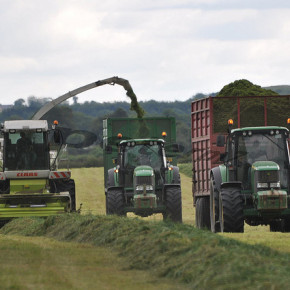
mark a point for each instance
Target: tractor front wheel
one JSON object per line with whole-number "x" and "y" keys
{"x": 231, "y": 210}
{"x": 173, "y": 204}
{"x": 115, "y": 202}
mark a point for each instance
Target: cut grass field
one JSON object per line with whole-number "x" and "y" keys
{"x": 189, "y": 257}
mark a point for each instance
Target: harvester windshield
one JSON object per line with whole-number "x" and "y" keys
{"x": 251, "y": 147}
{"x": 26, "y": 150}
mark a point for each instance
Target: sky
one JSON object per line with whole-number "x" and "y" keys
{"x": 168, "y": 49}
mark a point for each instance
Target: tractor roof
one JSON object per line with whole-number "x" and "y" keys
{"x": 25, "y": 125}
{"x": 142, "y": 141}
{"x": 262, "y": 128}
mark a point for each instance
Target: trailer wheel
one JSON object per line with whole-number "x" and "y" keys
{"x": 173, "y": 204}
{"x": 277, "y": 226}
{"x": 115, "y": 202}
{"x": 214, "y": 208}
{"x": 202, "y": 217}
{"x": 286, "y": 226}
{"x": 231, "y": 210}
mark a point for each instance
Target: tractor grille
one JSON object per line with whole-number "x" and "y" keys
{"x": 144, "y": 180}
{"x": 268, "y": 176}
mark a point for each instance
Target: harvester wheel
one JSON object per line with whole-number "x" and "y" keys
{"x": 66, "y": 185}
{"x": 173, "y": 204}
{"x": 115, "y": 202}
{"x": 202, "y": 218}
{"x": 231, "y": 210}
{"x": 71, "y": 189}
{"x": 214, "y": 209}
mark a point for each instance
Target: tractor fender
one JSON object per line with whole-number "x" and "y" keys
{"x": 215, "y": 173}
{"x": 235, "y": 184}
{"x": 111, "y": 178}
{"x": 176, "y": 175}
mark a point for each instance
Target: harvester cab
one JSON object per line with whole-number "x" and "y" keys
{"x": 255, "y": 180}
{"x": 143, "y": 180}
{"x": 30, "y": 184}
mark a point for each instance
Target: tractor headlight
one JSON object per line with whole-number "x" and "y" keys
{"x": 149, "y": 187}
{"x": 139, "y": 187}
{"x": 262, "y": 185}
{"x": 275, "y": 184}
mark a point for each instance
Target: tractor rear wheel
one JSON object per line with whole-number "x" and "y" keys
{"x": 231, "y": 210}
{"x": 173, "y": 204}
{"x": 202, "y": 217}
{"x": 115, "y": 202}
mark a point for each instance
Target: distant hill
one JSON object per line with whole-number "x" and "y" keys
{"x": 281, "y": 90}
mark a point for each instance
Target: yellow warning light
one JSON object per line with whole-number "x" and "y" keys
{"x": 119, "y": 135}
{"x": 55, "y": 122}
{"x": 288, "y": 121}
{"x": 164, "y": 134}
{"x": 230, "y": 122}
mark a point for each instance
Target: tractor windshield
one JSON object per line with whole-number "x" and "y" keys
{"x": 26, "y": 150}
{"x": 151, "y": 155}
{"x": 261, "y": 147}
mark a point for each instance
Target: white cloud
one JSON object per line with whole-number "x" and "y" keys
{"x": 166, "y": 49}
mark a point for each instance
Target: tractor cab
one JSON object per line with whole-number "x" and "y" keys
{"x": 259, "y": 149}
{"x": 139, "y": 153}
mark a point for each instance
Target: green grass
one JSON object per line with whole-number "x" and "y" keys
{"x": 186, "y": 169}
{"x": 196, "y": 259}
{"x": 43, "y": 263}
{"x": 181, "y": 252}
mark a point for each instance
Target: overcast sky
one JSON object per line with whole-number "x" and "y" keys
{"x": 167, "y": 49}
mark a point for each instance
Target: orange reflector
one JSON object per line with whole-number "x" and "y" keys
{"x": 120, "y": 135}
{"x": 288, "y": 121}
{"x": 55, "y": 122}
{"x": 164, "y": 134}
{"x": 230, "y": 122}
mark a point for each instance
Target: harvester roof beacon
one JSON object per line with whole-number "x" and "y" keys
{"x": 241, "y": 171}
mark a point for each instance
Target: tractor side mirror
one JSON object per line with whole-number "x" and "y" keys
{"x": 56, "y": 136}
{"x": 177, "y": 147}
{"x": 109, "y": 149}
{"x": 220, "y": 141}
{"x": 223, "y": 156}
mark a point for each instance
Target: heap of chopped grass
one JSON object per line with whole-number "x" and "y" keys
{"x": 199, "y": 258}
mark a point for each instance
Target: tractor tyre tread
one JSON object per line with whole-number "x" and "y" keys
{"x": 173, "y": 204}
{"x": 232, "y": 210}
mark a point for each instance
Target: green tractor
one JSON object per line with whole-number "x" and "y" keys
{"x": 253, "y": 183}
{"x": 142, "y": 180}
